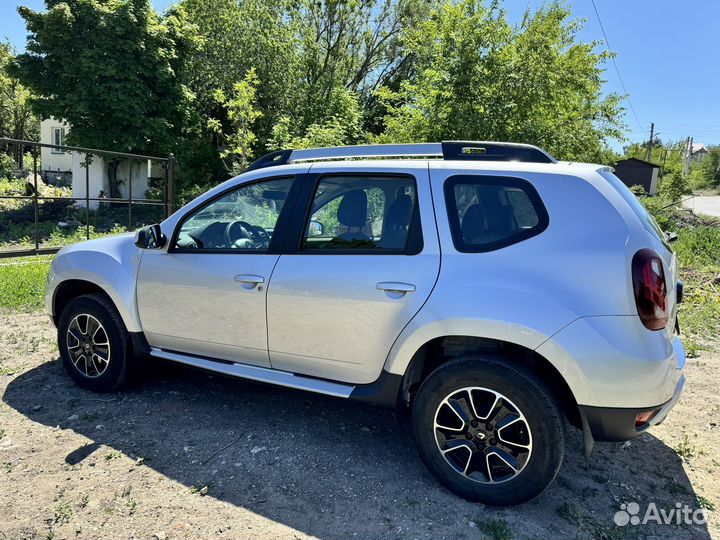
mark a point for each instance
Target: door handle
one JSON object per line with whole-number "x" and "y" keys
{"x": 395, "y": 287}
{"x": 249, "y": 281}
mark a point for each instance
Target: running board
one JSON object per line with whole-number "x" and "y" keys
{"x": 259, "y": 374}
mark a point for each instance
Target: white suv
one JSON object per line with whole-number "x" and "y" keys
{"x": 484, "y": 288}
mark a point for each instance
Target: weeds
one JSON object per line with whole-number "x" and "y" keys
{"x": 63, "y": 513}
{"x": 497, "y": 529}
{"x": 115, "y": 454}
{"x": 687, "y": 450}
{"x": 706, "y": 503}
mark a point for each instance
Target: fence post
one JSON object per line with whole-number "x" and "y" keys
{"x": 35, "y": 197}
{"x": 170, "y": 184}
{"x": 130, "y": 166}
{"x": 87, "y": 196}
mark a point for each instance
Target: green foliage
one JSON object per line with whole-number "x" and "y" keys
{"x": 17, "y": 120}
{"x": 7, "y": 165}
{"x": 674, "y": 185}
{"x": 242, "y": 114}
{"x": 706, "y": 174}
{"x": 479, "y": 77}
{"x": 110, "y": 69}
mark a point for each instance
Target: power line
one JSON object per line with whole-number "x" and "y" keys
{"x": 612, "y": 57}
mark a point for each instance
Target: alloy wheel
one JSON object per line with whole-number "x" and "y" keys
{"x": 483, "y": 435}
{"x": 88, "y": 345}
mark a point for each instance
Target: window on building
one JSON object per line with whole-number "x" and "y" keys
{"x": 58, "y": 138}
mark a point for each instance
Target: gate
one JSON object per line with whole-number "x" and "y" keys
{"x": 53, "y": 203}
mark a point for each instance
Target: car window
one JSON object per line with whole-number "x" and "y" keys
{"x": 241, "y": 220}
{"x": 361, "y": 213}
{"x": 488, "y": 213}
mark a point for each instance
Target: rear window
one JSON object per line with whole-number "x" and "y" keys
{"x": 647, "y": 220}
{"x": 491, "y": 212}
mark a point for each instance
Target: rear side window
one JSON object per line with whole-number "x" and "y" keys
{"x": 648, "y": 221}
{"x": 491, "y": 212}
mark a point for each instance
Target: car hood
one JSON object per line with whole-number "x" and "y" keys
{"x": 114, "y": 245}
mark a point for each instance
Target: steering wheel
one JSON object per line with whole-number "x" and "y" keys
{"x": 241, "y": 234}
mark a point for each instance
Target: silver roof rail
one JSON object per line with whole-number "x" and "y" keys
{"x": 371, "y": 151}
{"x": 449, "y": 150}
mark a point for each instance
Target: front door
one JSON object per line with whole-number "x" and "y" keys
{"x": 206, "y": 294}
{"x": 366, "y": 262}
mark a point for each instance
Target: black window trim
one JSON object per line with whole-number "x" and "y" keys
{"x": 281, "y": 227}
{"x": 493, "y": 180}
{"x": 303, "y": 212}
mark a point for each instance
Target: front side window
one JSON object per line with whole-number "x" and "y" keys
{"x": 488, "y": 212}
{"x": 242, "y": 220}
{"x": 361, "y": 214}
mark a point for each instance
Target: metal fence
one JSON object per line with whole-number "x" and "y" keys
{"x": 18, "y": 148}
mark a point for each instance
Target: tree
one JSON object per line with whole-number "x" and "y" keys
{"x": 478, "y": 77}
{"x": 109, "y": 68}
{"x": 706, "y": 174}
{"x": 242, "y": 114}
{"x": 317, "y": 63}
{"x": 17, "y": 120}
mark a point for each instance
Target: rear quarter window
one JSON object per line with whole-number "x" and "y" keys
{"x": 491, "y": 212}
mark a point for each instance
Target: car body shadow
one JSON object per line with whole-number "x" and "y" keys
{"x": 332, "y": 468}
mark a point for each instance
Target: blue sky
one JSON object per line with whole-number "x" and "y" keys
{"x": 668, "y": 54}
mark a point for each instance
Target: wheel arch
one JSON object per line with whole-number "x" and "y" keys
{"x": 437, "y": 351}
{"x": 66, "y": 291}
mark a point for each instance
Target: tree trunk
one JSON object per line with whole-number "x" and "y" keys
{"x": 112, "y": 177}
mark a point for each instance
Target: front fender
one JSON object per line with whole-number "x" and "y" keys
{"x": 110, "y": 263}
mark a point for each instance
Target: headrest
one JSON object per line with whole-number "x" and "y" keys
{"x": 352, "y": 211}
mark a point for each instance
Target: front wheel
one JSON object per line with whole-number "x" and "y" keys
{"x": 489, "y": 431}
{"x": 94, "y": 343}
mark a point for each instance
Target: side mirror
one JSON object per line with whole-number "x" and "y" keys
{"x": 150, "y": 237}
{"x": 316, "y": 229}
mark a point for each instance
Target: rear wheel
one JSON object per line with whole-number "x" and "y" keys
{"x": 94, "y": 343}
{"x": 488, "y": 430}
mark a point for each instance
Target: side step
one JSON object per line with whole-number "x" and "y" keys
{"x": 260, "y": 374}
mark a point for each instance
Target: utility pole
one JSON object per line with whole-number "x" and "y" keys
{"x": 650, "y": 143}
{"x": 686, "y": 160}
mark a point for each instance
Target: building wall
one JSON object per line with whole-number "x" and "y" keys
{"x": 97, "y": 179}
{"x": 637, "y": 174}
{"x": 50, "y": 159}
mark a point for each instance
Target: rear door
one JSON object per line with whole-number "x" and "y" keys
{"x": 362, "y": 260}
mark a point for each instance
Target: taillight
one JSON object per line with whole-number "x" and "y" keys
{"x": 644, "y": 417}
{"x": 650, "y": 290}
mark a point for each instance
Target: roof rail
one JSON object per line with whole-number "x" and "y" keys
{"x": 448, "y": 150}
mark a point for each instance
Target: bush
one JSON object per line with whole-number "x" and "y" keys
{"x": 7, "y": 166}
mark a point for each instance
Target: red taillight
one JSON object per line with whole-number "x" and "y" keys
{"x": 644, "y": 417}
{"x": 650, "y": 290}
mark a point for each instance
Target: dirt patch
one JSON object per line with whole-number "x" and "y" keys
{"x": 188, "y": 455}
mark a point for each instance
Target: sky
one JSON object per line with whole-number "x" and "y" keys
{"x": 668, "y": 56}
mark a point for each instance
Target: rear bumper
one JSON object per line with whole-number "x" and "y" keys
{"x": 618, "y": 424}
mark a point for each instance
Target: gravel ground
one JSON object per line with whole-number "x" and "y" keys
{"x": 186, "y": 455}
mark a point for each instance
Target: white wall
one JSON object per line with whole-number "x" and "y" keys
{"x": 99, "y": 182}
{"x": 50, "y": 159}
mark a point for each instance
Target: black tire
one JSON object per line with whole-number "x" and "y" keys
{"x": 544, "y": 437}
{"x": 116, "y": 369}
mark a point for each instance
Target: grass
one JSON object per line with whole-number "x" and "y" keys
{"x": 22, "y": 282}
